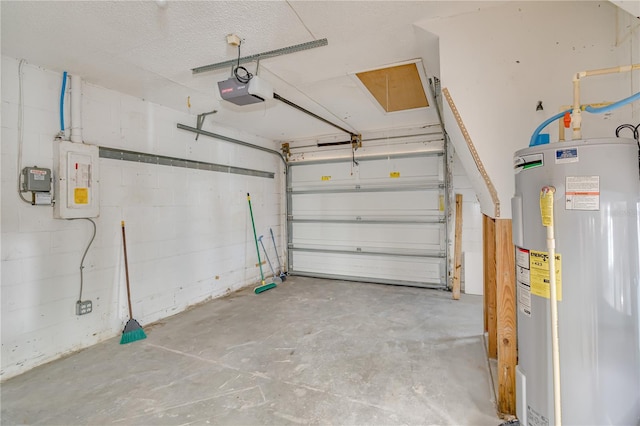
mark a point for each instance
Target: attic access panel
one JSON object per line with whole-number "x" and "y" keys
{"x": 396, "y": 88}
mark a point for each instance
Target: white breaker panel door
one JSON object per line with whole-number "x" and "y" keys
{"x": 76, "y": 180}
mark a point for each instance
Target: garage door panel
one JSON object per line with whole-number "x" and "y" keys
{"x": 400, "y": 269}
{"x": 380, "y": 220}
{"x": 423, "y": 238}
{"x": 323, "y": 176}
{"x": 371, "y": 173}
{"x": 408, "y": 170}
{"x": 406, "y": 204}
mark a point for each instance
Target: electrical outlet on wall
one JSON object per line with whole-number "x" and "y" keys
{"x": 83, "y": 307}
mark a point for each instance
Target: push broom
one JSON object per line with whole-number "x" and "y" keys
{"x": 132, "y": 330}
{"x": 263, "y": 286}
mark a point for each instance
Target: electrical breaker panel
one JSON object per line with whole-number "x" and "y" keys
{"x": 76, "y": 183}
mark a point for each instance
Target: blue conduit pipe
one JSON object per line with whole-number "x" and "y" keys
{"x": 613, "y": 106}
{"x": 534, "y": 137}
{"x": 64, "y": 86}
{"x": 590, "y": 109}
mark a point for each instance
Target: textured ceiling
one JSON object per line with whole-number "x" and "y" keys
{"x": 148, "y": 51}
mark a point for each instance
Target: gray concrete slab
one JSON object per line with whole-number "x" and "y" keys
{"x": 307, "y": 352}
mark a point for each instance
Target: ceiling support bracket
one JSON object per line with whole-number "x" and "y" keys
{"x": 201, "y": 120}
{"x": 270, "y": 54}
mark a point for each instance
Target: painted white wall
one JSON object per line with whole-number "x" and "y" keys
{"x": 472, "y": 273}
{"x": 499, "y": 62}
{"x": 189, "y": 234}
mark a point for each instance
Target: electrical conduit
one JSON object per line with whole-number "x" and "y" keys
{"x": 64, "y": 87}
{"x": 76, "y": 109}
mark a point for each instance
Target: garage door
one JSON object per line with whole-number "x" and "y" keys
{"x": 381, "y": 220}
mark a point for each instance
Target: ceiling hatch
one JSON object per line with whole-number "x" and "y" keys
{"x": 395, "y": 88}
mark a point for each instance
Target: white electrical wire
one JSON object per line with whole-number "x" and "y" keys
{"x": 20, "y": 129}
{"x": 85, "y": 253}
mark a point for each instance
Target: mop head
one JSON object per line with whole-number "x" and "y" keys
{"x": 132, "y": 332}
{"x": 264, "y": 287}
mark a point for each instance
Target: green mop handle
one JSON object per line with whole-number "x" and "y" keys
{"x": 255, "y": 238}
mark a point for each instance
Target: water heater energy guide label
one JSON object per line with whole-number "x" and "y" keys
{"x": 524, "y": 281}
{"x": 582, "y": 193}
{"x": 539, "y": 274}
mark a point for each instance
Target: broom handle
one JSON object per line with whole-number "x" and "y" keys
{"x": 126, "y": 269}
{"x": 255, "y": 238}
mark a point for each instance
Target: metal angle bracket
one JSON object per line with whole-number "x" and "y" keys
{"x": 200, "y": 121}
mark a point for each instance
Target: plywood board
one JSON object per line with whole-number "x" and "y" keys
{"x": 506, "y": 317}
{"x": 396, "y": 88}
{"x": 489, "y": 254}
{"x": 457, "y": 258}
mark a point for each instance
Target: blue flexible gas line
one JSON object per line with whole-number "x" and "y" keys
{"x": 64, "y": 86}
{"x": 541, "y": 127}
{"x": 613, "y": 106}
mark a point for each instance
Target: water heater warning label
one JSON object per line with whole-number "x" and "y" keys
{"x": 524, "y": 281}
{"x": 582, "y": 193}
{"x": 534, "y": 418}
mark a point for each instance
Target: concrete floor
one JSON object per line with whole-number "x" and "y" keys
{"x": 307, "y": 352}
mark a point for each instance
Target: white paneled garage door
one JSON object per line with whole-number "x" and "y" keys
{"x": 381, "y": 220}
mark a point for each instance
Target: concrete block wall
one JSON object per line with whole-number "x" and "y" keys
{"x": 189, "y": 234}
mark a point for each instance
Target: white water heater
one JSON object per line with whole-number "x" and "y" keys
{"x": 597, "y": 231}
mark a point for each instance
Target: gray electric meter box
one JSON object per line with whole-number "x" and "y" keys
{"x": 36, "y": 179}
